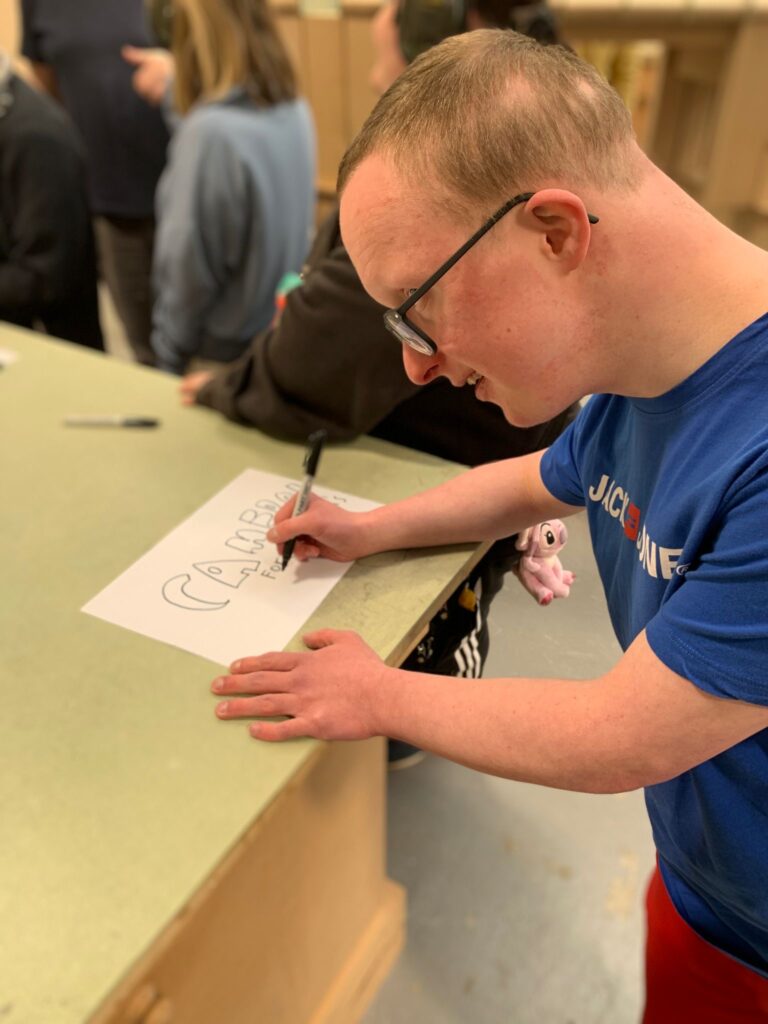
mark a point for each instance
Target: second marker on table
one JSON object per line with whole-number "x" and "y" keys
{"x": 315, "y": 443}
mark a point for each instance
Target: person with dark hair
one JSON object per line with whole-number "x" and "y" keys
{"x": 47, "y": 259}
{"x": 329, "y": 363}
{"x": 75, "y": 54}
{"x": 403, "y": 30}
{"x": 530, "y": 17}
{"x": 423, "y": 24}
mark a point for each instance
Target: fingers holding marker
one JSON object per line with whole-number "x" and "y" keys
{"x": 314, "y": 517}
{"x": 289, "y": 527}
{"x": 298, "y": 530}
{"x": 284, "y": 528}
{"x": 286, "y": 511}
{"x": 305, "y": 549}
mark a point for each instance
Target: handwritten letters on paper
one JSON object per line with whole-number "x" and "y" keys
{"x": 233, "y": 571}
{"x": 213, "y": 586}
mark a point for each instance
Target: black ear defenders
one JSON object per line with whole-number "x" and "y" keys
{"x": 424, "y": 23}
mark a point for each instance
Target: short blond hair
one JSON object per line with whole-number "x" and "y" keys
{"x": 219, "y": 44}
{"x": 489, "y": 113}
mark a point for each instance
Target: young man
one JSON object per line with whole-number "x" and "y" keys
{"x": 330, "y": 363}
{"x": 595, "y": 274}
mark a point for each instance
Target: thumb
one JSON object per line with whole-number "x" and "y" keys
{"x": 291, "y": 528}
{"x": 133, "y": 55}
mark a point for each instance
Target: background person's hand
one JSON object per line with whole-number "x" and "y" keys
{"x": 153, "y": 74}
{"x": 190, "y": 386}
{"x": 328, "y": 691}
{"x": 323, "y": 531}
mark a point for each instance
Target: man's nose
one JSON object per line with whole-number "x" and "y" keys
{"x": 421, "y": 368}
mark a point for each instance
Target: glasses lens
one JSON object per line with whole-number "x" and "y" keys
{"x": 406, "y": 334}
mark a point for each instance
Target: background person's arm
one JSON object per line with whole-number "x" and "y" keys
{"x": 328, "y": 363}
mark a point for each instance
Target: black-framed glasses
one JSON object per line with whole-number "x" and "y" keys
{"x": 396, "y": 321}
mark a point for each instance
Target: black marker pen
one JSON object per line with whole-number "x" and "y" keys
{"x": 111, "y": 421}
{"x": 314, "y": 448}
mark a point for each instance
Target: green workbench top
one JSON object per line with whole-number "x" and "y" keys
{"x": 119, "y": 790}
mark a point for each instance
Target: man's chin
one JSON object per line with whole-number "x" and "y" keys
{"x": 515, "y": 419}
{"x": 512, "y": 414}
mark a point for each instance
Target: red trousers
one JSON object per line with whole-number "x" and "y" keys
{"x": 687, "y": 980}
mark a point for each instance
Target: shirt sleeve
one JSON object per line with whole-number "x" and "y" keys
{"x": 328, "y": 363}
{"x": 204, "y": 205}
{"x": 714, "y": 629}
{"x": 47, "y": 233}
{"x": 560, "y": 464}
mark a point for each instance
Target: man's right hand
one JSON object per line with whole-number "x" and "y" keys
{"x": 324, "y": 531}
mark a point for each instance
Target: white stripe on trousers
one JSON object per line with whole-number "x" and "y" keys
{"x": 467, "y": 654}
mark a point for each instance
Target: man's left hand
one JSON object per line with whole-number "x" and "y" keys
{"x": 328, "y": 691}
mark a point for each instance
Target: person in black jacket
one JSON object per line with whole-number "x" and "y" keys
{"x": 74, "y": 49}
{"x": 330, "y": 363}
{"x": 47, "y": 259}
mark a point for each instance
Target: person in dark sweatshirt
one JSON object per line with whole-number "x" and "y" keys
{"x": 75, "y": 54}
{"x": 330, "y": 363}
{"x": 47, "y": 258}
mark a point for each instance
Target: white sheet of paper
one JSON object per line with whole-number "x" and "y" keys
{"x": 213, "y": 585}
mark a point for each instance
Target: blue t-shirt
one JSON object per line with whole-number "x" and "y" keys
{"x": 125, "y": 139}
{"x": 676, "y": 492}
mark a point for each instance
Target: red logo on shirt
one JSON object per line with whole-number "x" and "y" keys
{"x": 632, "y": 521}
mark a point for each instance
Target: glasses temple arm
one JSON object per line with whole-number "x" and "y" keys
{"x": 414, "y": 297}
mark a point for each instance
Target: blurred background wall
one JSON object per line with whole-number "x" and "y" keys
{"x": 9, "y": 26}
{"x": 694, "y": 74}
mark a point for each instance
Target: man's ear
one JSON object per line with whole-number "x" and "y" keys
{"x": 564, "y": 224}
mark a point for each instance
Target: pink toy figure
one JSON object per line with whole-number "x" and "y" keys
{"x": 540, "y": 570}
